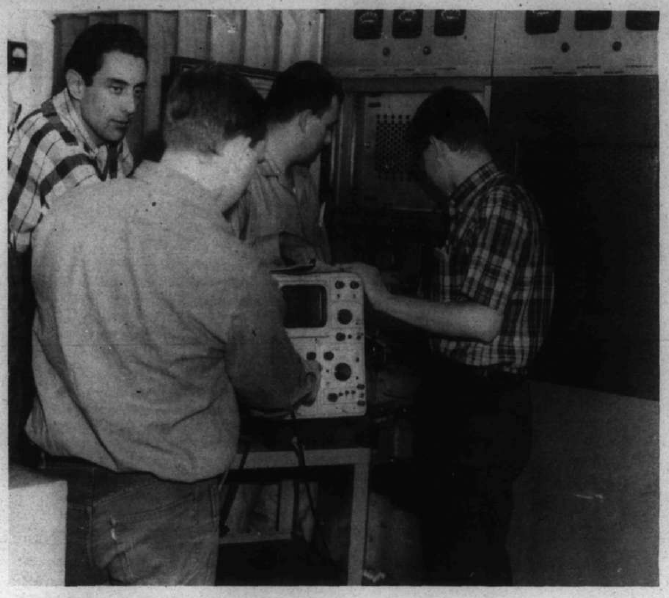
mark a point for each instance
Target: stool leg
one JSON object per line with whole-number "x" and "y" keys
{"x": 358, "y": 532}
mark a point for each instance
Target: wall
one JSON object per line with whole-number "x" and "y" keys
{"x": 32, "y": 86}
{"x": 37, "y": 523}
{"x": 590, "y": 157}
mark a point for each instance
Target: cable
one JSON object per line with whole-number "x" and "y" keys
{"x": 298, "y": 447}
{"x": 230, "y": 495}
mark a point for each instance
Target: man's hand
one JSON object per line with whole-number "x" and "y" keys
{"x": 312, "y": 383}
{"x": 296, "y": 250}
{"x": 372, "y": 280}
{"x": 313, "y": 369}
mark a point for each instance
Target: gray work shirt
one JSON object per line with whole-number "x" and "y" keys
{"x": 152, "y": 320}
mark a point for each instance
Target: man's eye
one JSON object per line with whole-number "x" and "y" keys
{"x": 139, "y": 93}
{"x": 117, "y": 89}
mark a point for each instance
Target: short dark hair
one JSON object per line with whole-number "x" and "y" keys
{"x": 306, "y": 85}
{"x": 87, "y": 52}
{"x": 453, "y": 116}
{"x": 211, "y": 103}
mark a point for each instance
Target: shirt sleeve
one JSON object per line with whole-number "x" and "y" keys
{"x": 238, "y": 217}
{"x": 264, "y": 368}
{"x": 39, "y": 172}
{"x": 500, "y": 233}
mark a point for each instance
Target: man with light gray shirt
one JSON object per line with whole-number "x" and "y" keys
{"x": 154, "y": 324}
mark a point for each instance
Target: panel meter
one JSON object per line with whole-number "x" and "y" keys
{"x": 642, "y": 20}
{"x": 449, "y": 23}
{"x": 542, "y": 21}
{"x": 367, "y": 24}
{"x": 592, "y": 20}
{"x": 407, "y": 23}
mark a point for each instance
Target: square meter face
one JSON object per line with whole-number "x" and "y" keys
{"x": 385, "y": 176}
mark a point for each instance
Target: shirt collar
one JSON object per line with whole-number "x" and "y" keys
{"x": 167, "y": 181}
{"x": 269, "y": 168}
{"x": 464, "y": 194}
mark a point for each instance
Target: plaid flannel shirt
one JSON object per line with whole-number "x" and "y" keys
{"x": 496, "y": 255}
{"x": 49, "y": 153}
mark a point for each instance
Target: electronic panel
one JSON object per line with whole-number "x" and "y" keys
{"x": 474, "y": 43}
{"x": 381, "y": 43}
{"x": 324, "y": 319}
{"x": 386, "y": 168}
{"x": 568, "y": 43}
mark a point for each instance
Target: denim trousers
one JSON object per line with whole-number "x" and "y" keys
{"x": 136, "y": 529}
{"x": 472, "y": 440}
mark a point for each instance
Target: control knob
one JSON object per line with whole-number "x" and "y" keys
{"x": 342, "y": 371}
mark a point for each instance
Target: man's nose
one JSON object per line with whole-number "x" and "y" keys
{"x": 129, "y": 103}
{"x": 260, "y": 150}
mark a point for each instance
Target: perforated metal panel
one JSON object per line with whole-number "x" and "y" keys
{"x": 392, "y": 157}
{"x": 384, "y": 173}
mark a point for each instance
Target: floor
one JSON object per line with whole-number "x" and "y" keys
{"x": 393, "y": 555}
{"x": 277, "y": 563}
{"x": 587, "y": 507}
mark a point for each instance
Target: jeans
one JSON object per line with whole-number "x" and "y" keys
{"x": 473, "y": 437}
{"x": 136, "y": 529}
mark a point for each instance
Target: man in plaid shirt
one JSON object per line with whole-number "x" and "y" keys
{"x": 486, "y": 309}
{"x": 75, "y": 138}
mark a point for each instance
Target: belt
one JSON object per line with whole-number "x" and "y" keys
{"x": 490, "y": 373}
{"x": 60, "y": 460}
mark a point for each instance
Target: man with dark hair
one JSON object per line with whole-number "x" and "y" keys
{"x": 75, "y": 138}
{"x": 486, "y": 309}
{"x": 153, "y": 322}
{"x": 281, "y": 215}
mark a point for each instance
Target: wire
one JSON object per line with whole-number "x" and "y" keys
{"x": 230, "y": 495}
{"x": 298, "y": 447}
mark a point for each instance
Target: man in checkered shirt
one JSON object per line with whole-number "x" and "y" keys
{"x": 75, "y": 138}
{"x": 486, "y": 310}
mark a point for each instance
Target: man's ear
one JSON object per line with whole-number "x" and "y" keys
{"x": 441, "y": 146}
{"x": 303, "y": 119}
{"x": 75, "y": 84}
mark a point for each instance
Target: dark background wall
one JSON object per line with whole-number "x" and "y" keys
{"x": 588, "y": 150}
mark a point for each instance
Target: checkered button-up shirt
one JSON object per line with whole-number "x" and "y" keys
{"x": 496, "y": 255}
{"x": 49, "y": 153}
